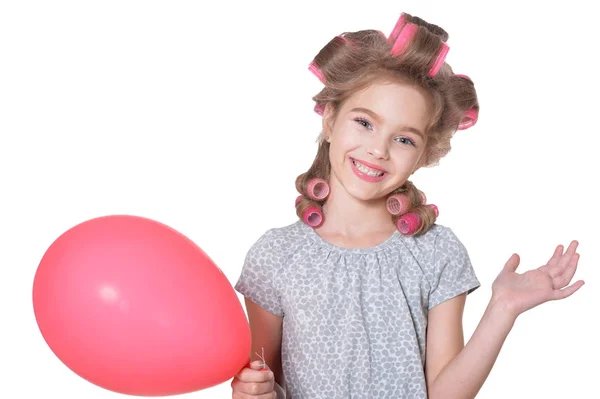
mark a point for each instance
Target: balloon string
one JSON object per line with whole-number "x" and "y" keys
{"x": 263, "y": 359}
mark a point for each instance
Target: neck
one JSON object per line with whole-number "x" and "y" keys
{"x": 348, "y": 216}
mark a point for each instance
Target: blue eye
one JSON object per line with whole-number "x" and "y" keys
{"x": 406, "y": 141}
{"x": 364, "y": 122}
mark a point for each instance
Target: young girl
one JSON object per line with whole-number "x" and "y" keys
{"x": 363, "y": 296}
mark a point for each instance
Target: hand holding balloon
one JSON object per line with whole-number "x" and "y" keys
{"x": 254, "y": 381}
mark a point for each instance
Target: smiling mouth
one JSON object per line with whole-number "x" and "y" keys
{"x": 367, "y": 170}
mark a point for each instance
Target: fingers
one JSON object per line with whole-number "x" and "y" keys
{"x": 253, "y": 382}
{"x": 512, "y": 263}
{"x": 567, "y": 292}
{"x": 566, "y": 258}
{"x": 261, "y": 390}
{"x": 258, "y": 365}
{"x": 269, "y": 395}
{"x": 553, "y": 261}
{"x": 565, "y": 278}
{"x": 559, "y": 261}
{"x": 253, "y": 374}
{"x": 562, "y": 268}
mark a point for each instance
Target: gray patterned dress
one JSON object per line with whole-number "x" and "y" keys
{"x": 354, "y": 319}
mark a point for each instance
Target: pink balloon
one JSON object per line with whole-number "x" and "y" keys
{"x": 135, "y": 307}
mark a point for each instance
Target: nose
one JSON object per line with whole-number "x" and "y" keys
{"x": 378, "y": 148}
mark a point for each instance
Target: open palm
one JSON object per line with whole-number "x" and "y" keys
{"x": 521, "y": 292}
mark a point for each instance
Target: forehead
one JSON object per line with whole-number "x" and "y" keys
{"x": 396, "y": 103}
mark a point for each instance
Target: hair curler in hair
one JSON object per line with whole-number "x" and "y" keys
{"x": 469, "y": 120}
{"x": 317, "y": 189}
{"x": 344, "y": 40}
{"x": 312, "y": 216}
{"x": 435, "y": 209}
{"x": 462, "y": 76}
{"x": 407, "y": 224}
{"x": 397, "y": 204}
{"x": 298, "y": 198}
{"x": 406, "y": 35}
{"x": 319, "y": 110}
{"x": 423, "y": 197}
{"x": 314, "y": 68}
{"x": 397, "y": 29}
{"x": 439, "y": 61}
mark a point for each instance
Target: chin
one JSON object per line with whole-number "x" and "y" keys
{"x": 366, "y": 194}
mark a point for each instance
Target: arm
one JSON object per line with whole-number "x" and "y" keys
{"x": 456, "y": 372}
{"x": 266, "y": 330}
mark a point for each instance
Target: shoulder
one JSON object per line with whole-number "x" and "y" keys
{"x": 437, "y": 238}
{"x": 446, "y": 240}
{"x": 280, "y": 241}
{"x": 262, "y": 278}
{"x": 435, "y": 249}
{"x": 438, "y": 232}
{"x": 447, "y": 244}
{"x": 448, "y": 265}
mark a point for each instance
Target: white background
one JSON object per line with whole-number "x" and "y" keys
{"x": 200, "y": 116}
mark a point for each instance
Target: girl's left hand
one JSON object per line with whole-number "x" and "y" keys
{"x": 521, "y": 292}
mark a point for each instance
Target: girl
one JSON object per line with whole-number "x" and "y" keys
{"x": 363, "y": 296}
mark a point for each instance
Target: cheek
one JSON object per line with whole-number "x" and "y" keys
{"x": 347, "y": 138}
{"x": 405, "y": 158}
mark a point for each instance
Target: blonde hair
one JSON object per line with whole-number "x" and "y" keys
{"x": 354, "y": 60}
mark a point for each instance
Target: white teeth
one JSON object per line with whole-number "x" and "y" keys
{"x": 366, "y": 170}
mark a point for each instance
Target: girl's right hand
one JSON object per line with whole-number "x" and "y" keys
{"x": 254, "y": 382}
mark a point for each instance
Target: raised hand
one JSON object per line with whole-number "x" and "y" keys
{"x": 521, "y": 292}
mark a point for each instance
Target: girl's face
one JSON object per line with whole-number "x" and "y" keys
{"x": 377, "y": 139}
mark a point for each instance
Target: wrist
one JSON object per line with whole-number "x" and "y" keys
{"x": 502, "y": 310}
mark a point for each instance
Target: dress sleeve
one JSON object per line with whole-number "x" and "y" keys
{"x": 453, "y": 272}
{"x": 259, "y": 279}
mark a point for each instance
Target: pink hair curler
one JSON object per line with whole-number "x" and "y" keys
{"x": 404, "y": 38}
{"x": 312, "y": 216}
{"x": 318, "y": 189}
{"x": 423, "y": 197}
{"x": 298, "y": 198}
{"x": 397, "y": 29}
{"x": 439, "y": 61}
{"x": 314, "y": 68}
{"x": 435, "y": 209}
{"x": 319, "y": 110}
{"x": 469, "y": 120}
{"x": 408, "y": 223}
{"x": 462, "y": 76}
{"x": 397, "y": 204}
{"x": 346, "y": 41}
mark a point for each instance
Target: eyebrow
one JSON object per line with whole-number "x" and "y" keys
{"x": 379, "y": 119}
